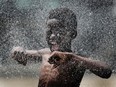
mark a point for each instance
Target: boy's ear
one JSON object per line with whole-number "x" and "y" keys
{"x": 73, "y": 34}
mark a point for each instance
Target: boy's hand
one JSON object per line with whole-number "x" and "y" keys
{"x": 18, "y": 54}
{"x": 58, "y": 58}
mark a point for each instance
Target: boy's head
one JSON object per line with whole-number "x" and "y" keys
{"x": 62, "y": 24}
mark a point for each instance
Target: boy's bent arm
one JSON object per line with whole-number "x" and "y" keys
{"x": 97, "y": 67}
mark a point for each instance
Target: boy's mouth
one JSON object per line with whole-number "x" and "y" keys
{"x": 54, "y": 46}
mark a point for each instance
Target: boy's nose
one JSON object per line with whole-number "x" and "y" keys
{"x": 52, "y": 36}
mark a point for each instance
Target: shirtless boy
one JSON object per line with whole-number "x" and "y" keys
{"x": 60, "y": 66}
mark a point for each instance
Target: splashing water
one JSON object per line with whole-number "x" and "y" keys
{"x": 22, "y": 23}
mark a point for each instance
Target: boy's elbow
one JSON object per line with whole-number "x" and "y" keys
{"x": 103, "y": 73}
{"x": 107, "y": 74}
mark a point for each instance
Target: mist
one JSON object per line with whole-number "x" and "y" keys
{"x": 23, "y": 23}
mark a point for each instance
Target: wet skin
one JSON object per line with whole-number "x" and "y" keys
{"x": 54, "y": 74}
{"x": 66, "y": 70}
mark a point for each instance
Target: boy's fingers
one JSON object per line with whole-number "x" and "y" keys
{"x": 15, "y": 52}
{"x": 51, "y": 60}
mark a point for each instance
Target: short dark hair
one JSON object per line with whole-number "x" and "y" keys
{"x": 66, "y": 16}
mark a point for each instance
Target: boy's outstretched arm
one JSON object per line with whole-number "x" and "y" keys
{"x": 97, "y": 67}
{"x": 21, "y": 55}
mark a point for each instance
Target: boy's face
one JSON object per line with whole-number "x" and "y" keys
{"x": 56, "y": 35}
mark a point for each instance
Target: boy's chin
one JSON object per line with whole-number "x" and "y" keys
{"x": 54, "y": 48}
